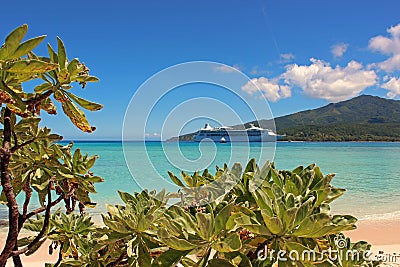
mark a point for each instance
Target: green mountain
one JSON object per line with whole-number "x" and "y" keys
{"x": 363, "y": 118}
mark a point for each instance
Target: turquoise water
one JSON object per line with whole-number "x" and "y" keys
{"x": 369, "y": 171}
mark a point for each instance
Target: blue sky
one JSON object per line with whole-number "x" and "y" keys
{"x": 126, "y": 42}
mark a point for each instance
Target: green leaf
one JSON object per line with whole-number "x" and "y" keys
{"x": 53, "y": 55}
{"x": 91, "y": 79}
{"x": 274, "y": 224}
{"x": 16, "y": 36}
{"x": 91, "y": 160}
{"x": 73, "y": 67}
{"x": 28, "y": 46}
{"x": 229, "y": 244}
{"x": 174, "y": 242}
{"x": 85, "y": 103}
{"x": 205, "y": 223}
{"x": 334, "y": 194}
{"x": 126, "y": 197}
{"x": 12, "y": 41}
{"x": 170, "y": 257}
{"x": 263, "y": 201}
{"x": 257, "y": 229}
{"x": 62, "y": 55}
{"x": 175, "y": 179}
{"x": 32, "y": 66}
{"x": 43, "y": 88}
{"x": 312, "y": 224}
{"x": 304, "y": 210}
{"x": 76, "y": 116}
{"x": 188, "y": 179}
{"x": 276, "y": 178}
{"x": 222, "y": 218}
{"x": 115, "y": 226}
{"x": 251, "y": 166}
{"x": 289, "y": 217}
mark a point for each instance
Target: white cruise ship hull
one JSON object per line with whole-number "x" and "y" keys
{"x": 236, "y": 136}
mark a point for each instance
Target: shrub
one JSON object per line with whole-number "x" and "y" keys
{"x": 266, "y": 212}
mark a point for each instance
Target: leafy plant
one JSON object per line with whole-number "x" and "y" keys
{"x": 266, "y": 212}
{"x": 31, "y": 159}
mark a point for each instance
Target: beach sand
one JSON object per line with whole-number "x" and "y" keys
{"x": 383, "y": 234}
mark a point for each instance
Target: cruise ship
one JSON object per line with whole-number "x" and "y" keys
{"x": 227, "y": 134}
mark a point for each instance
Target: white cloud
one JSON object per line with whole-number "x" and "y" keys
{"x": 393, "y": 86}
{"x": 285, "y": 58}
{"x": 391, "y": 64}
{"x": 320, "y": 80}
{"x": 338, "y": 50}
{"x": 388, "y": 46}
{"x": 227, "y": 69}
{"x": 270, "y": 89}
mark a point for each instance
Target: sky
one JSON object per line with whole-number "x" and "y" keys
{"x": 300, "y": 54}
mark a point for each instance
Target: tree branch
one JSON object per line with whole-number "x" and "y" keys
{"x": 36, "y": 100}
{"x": 15, "y": 138}
{"x": 60, "y": 257}
{"x": 28, "y": 195}
{"x": 8, "y": 190}
{"x": 41, "y": 209}
{"x": 45, "y": 223}
{"x": 16, "y": 147}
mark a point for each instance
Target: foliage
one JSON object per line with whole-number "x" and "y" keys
{"x": 268, "y": 210}
{"x": 31, "y": 159}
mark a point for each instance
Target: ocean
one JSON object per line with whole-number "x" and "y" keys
{"x": 370, "y": 171}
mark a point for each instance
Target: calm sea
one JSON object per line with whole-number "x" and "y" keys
{"x": 369, "y": 171}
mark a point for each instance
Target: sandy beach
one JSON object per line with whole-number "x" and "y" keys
{"x": 383, "y": 234}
